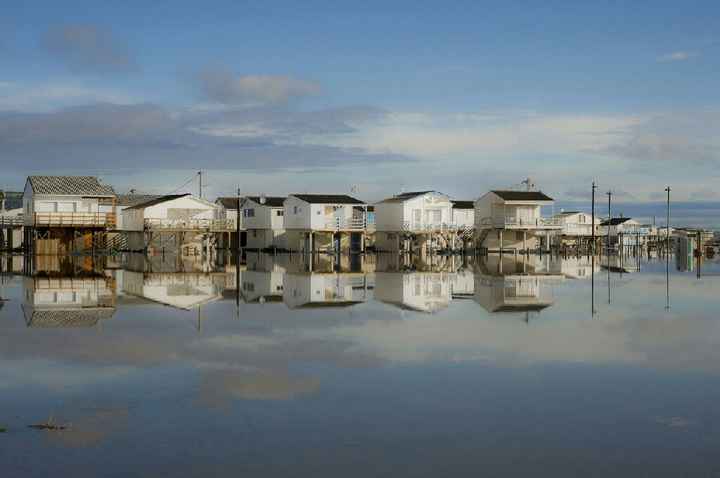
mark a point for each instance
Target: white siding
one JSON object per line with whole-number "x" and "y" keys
{"x": 297, "y": 213}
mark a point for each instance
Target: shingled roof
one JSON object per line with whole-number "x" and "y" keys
{"x": 327, "y": 199}
{"x": 70, "y": 186}
{"x": 270, "y": 201}
{"x": 522, "y": 195}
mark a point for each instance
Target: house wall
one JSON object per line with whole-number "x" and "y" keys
{"x": 264, "y": 217}
{"x": 389, "y": 216}
{"x": 302, "y": 215}
{"x": 492, "y": 206}
{"x": 463, "y": 217}
{"x": 579, "y": 224}
{"x": 177, "y": 209}
{"x": 297, "y": 214}
{"x": 33, "y": 203}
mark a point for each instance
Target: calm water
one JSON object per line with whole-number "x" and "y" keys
{"x": 374, "y": 366}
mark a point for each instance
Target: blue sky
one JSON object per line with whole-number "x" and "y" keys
{"x": 286, "y": 96}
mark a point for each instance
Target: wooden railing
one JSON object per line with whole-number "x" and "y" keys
{"x": 191, "y": 224}
{"x": 73, "y": 219}
{"x": 509, "y": 222}
{"x": 11, "y": 221}
{"x": 346, "y": 224}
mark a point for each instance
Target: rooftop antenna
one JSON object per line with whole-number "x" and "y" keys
{"x": 263, "y": 199}
{"x": 529, "y": 184}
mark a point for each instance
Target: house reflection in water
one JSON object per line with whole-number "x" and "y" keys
{"x": 83, "y": 300}
{"x": 508, "y": 284}
{"x": 262, "y": 281}
{"x": 182, "y": 290}
{"x": 419, "y": 291}
{"x": 331, "y": 289}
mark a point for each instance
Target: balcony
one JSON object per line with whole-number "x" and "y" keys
{"x": 74, "y": 219}
{"x": 346, "y": 224}
{"x": 520, "y": 223}
{"x": 417, "y": 227}
{"x": 11, "y": 221}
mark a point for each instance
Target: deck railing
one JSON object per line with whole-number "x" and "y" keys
{"x": 440, "y": 227}
{"x": 11, "y": 221}
{"x": 510, "y": 222}
{"x": 191, "y": 224}
{"x": 346, "y": 224}
{"x": 73, "y": 219}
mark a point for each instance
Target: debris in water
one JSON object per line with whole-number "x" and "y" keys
{"x": 49, "y": 425}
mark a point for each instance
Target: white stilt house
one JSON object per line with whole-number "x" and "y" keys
{"x": 414, "y": 221}
{"x": 506, "y": 219}
{"x": 264, "y": 220}
{"x": 172, "y": 222}
{"x": 325, "y": 223}
{"x": 577, "y": 228}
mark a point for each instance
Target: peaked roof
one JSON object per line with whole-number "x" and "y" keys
{"x": 327, "y": 198}
{"x": 70, "y": 186}
{"x": 508, "y": 195}
{"x": 158, "y": 200}
{"x": 228, "y": 202}
{"x": 407, "y": 196}
{"x": 569, "y": 213}
{"x": 135, "y": 199}
{"x": 615, "y": 221}
{"x": 463, "y": 204}
{"x": 270, "y": 201}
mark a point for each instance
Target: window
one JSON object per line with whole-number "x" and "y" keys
{"x": 296, "y": 209}
{"x": 279, "y": 212}
{"x": 249, "y": 212}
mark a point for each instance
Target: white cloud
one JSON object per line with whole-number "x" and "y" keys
{"x": 482, "y": 135}
{"x": 44, "y": 98}
{"x": 222, "y": 86}
{"x": 677, "y": 56}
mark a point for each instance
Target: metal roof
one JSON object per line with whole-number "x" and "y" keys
{"x": 270, "y": 201}
{"x": 327, "y": 198}
{"x": 158, "y": 200}
{"x": 228, "y": 202}
{"x": 406, "y": 196}
{"x": 615, "y": 221}
{"x": 522, "y": 195}
{"x": 463, "y": 204}
{"x": 135, "y": 199}
{"x": 70, "y": 186}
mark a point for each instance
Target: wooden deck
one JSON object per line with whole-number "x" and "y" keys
{"x": 74, "y": 219}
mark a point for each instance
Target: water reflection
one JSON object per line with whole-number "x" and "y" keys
{"x": 68, "y": 292}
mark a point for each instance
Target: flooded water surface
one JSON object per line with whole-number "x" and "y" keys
{"x": 359, "y": 366}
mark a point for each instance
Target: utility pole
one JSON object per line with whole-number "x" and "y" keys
{"x": 594, "y": 187}
{"x": 200, "y": 176}
{"x": 607, "y": 246}
{"x": 237, "y": 254}
{"x": 667, "y": 252}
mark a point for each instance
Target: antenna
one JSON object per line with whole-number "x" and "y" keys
{"x": 262, "y": 198}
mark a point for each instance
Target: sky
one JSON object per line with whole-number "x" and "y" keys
{"x": 372, "y": 98}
